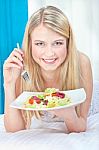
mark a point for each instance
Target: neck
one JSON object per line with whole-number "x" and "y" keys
{"x": 51, "y": 79}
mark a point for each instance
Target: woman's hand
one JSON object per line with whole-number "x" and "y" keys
{"x": 72, "y": 121}
{"x": 12, "y": 66}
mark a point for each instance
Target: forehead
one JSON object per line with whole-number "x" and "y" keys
{"x": 42, "y": 32}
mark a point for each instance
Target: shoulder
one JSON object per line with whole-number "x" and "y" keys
{"x": 85, "y": 63}
{"x": 85, "y": 68}
{"x": 84, "y": 59}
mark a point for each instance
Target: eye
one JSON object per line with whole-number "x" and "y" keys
{"x": 58, "y": 43}
{"x": 40, "y": 43}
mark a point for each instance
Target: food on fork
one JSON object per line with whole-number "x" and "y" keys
{"x": 50, "y": 98}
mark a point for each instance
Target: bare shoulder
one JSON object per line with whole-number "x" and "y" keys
{"x": 85, "y": 67}
{"x": 84, "y": 60}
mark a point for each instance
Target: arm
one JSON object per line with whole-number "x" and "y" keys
{"x": 74, "y": 122}
{"x": 13, "y": 120}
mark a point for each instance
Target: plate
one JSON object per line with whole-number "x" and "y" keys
{"x": 77, "y": 96}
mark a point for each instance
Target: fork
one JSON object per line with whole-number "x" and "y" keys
{"x": 24, "y": 73}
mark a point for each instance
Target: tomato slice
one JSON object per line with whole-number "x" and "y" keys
{"x": 54, "y": 94}
{"x": 31, "y": 101}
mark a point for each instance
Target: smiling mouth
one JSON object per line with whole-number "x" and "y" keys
{"x": 49, "y": 61}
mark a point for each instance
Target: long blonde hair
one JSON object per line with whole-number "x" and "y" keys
{"x": 52, "y": 18}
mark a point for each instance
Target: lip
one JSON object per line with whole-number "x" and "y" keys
{"x": 49, "y": 61}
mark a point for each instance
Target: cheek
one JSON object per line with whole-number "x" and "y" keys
{"x": 35, "y": 52}
{"x": 62, "y": 53}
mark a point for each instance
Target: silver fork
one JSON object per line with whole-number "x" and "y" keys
{"x": 24, "y": 73}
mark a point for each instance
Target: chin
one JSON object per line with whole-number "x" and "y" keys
{"x": 51, "y": 68}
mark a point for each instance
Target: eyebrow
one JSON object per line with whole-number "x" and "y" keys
{"x": 59, "y": 40}
{"x": 38, "y": 41}
{"x": 53, "y": 41}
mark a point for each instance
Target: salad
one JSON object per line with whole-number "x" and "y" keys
{"x": 50, "y": 98}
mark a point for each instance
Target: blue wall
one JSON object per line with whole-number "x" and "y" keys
{"x": 13, "y": 18}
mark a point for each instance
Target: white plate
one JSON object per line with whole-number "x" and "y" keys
{"x": 77, "y": 96}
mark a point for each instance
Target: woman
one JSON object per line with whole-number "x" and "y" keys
{"x": 52, "y": 60}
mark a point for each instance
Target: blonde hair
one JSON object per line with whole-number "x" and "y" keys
{"x": 52, "y": 18}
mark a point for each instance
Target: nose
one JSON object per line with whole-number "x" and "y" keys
{"x": 49, "y": 51}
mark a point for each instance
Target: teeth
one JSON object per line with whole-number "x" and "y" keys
{"x": 49, "y": 60}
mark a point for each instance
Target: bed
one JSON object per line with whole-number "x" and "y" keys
{"x": 53, "y": 139}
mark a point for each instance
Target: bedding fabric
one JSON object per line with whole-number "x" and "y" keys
{"x": 51, "y": 137}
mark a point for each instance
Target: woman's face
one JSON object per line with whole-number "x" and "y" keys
{"x": 48, "y": 48}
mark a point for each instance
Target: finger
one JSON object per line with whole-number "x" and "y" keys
{"x": 17, "y": 54}
{"x": 11, "y": 65}
{"x": 19, "y": 50}
{"x": 17, "y": 61}
{"x": 13, "y": 60}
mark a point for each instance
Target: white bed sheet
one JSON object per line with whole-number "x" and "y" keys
{"x": 51, "y": 139}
